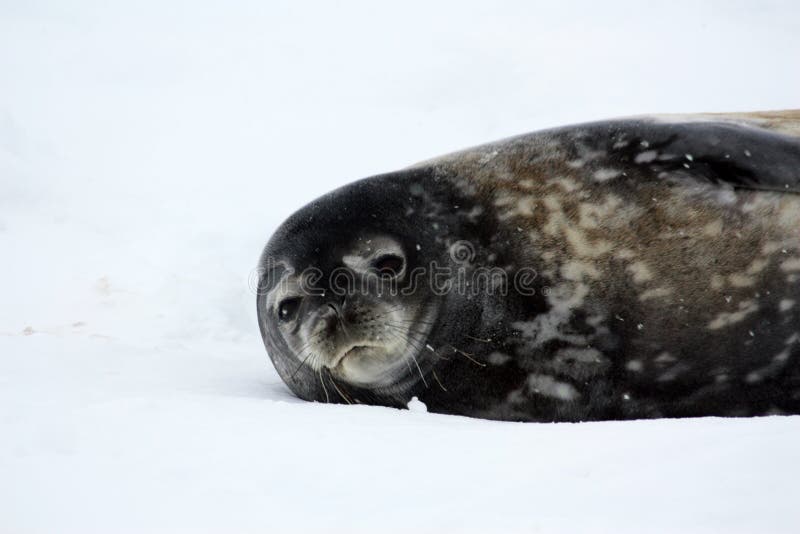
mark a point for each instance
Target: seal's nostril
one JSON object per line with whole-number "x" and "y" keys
{"x": 337, "y": 314}
{"x": 331, "y": 322}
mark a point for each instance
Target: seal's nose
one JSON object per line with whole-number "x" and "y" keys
{"x": 330, "y": 320}
{"x": 336, "y": 303}
{"x": 333, "y": 315}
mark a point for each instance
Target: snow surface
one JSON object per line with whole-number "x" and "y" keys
{"x": 148, "y": 150}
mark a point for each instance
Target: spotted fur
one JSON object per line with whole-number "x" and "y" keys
{"x": 667, "y": 260}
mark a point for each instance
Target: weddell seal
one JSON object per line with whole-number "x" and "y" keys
{"x": 624, "y": 269}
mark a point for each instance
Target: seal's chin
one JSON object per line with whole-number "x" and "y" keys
{"x": 367, "y": 364}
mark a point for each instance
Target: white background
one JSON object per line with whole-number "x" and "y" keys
{"x": 148, "y": 150}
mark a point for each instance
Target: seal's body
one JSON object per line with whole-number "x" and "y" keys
{"x": 615, "y": 270}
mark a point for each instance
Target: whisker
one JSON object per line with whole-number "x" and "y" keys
{"x": 310, "y": 354}
{"x": 392, "y": 309}
{"x": 300, "y": 352}
{"x": 336, "y": 387}
{"x": 419, "y": 369}
{"x": 467, "y": 356}
{"x": 455, "y": 349}
{"x": 405, "y": 356}
{"x": 419, "y": 344}
{"x": 322, "y": 381}
{"x": 435, "y": 376}
{"x": 421, "y": 336}
{"x": 415, "y": 321}
{"x": 308, "y": 343}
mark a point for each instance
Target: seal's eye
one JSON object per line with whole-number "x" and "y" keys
{"x": 288, "y": 308}
{"x": 388, "y": 264}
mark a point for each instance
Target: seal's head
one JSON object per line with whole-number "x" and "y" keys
{"x": 345, "y": 306}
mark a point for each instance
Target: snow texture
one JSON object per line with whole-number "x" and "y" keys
{"x": 148, "y": 150}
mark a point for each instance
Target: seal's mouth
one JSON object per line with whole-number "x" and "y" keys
{"x": 353, "y": 350}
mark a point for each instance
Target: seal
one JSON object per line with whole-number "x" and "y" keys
{"x": 624, "y": 269}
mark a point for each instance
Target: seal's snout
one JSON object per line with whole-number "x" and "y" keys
{"x": 330, "y": 320}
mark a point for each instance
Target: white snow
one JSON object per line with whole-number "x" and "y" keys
{"x": 148, "y": 150}
{"x": 416, "y": 405}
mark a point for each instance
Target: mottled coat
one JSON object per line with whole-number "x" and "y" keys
{"x": 665, "y": 254}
